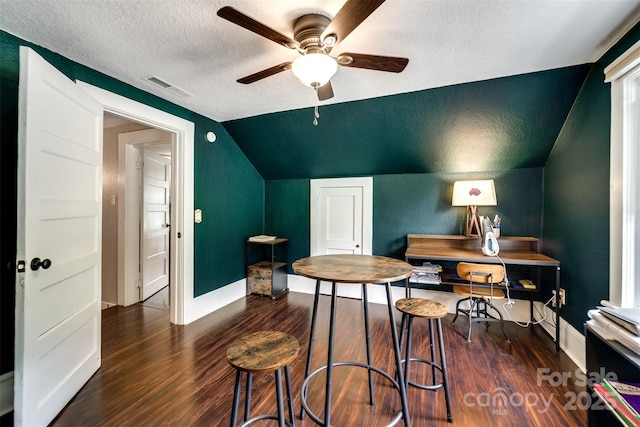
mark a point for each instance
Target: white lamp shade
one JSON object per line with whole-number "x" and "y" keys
{"x": 314, "y": 69}
{"x": 474, "y": 193}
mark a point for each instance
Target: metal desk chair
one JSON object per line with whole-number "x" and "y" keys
{"x": 480, "y": 297}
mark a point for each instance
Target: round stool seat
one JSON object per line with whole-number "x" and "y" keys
{"x": 421, "y": 307}
{"x": 263, "y": 351}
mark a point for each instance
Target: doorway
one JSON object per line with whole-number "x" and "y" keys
{"x": 184, "y": 307}
{"x": 137, "y": 193}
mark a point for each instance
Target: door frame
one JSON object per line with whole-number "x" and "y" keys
{"x": 182, "y": 155}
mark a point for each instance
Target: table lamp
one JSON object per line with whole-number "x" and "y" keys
{"x": 473, "y": 194}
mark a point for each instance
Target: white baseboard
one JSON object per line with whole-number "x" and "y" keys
{"x": 6, "y": 393}
{"x": 212, "y": 301}
{"x": 571, "y": 340}
{"x": 107, "y": 305}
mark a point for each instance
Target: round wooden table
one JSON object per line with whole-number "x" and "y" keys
{"x": 356, "y": 269}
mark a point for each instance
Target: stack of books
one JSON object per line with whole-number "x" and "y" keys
{"x": 622, "y": 398}
{"x": 617, "y": 324}
{"x": 426, "y": 273}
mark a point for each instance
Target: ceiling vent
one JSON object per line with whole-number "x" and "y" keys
{"x": 168, "y": 86}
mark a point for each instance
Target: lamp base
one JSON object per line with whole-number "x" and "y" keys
{"x": 473, "y": 224}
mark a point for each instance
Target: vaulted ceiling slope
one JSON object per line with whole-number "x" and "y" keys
{"x": 499, "y": 124}
{"x": 186, "y": 44}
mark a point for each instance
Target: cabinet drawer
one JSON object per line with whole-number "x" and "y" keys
{"x": 259, "y": 284}
{"x": 259, "y": 278}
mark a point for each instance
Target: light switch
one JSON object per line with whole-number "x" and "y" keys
{"x": 113, "y": 200}
{"x": 198, "y": 216}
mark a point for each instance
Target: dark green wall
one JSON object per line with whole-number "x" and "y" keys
{"x": 411, "y": 203}
{"x": 287, "y": 214}
{"x": 492, "y": 125}
{"x": 576, "y": 213}
{"x": 421, "y": 203}
{"x": 230, "y": 193}
{"x": 227, "y": 187}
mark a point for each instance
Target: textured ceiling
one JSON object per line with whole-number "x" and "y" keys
{"x": 186, "y": 44}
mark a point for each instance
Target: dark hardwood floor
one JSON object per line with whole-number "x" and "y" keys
{"x": 157, "y": 374}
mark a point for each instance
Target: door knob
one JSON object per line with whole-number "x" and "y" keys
{"x": 357, "y": 246}
{"x": 36, "y": 263}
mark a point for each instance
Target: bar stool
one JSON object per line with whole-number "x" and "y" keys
{"x": 263, "y": 352}
{"x": 432, "y": 310}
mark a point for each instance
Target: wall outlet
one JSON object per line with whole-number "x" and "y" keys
{"x": 559, "y": 301}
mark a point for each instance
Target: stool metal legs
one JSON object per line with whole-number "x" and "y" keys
{"x": 282, "y": 421}
{"x": 330, "y": 362}
{"x": 236, "y": 399}
{"x": 314, "y": 316}
{"x": 398, "y": 357}
{"x": 279, "y": 398}
{"x": 287, "y": 378}
{"x": 407, "y": 321}
{"x": 443, "y": 363}
{"x": 368, "y": 335}
{"x": 332, "y": 330}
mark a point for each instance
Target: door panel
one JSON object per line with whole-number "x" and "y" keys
{"x": 59, "y": 211}
{"x": 340, "y": 220}
{"x": 155, "y": 223}
{"x": 341, "y": 217}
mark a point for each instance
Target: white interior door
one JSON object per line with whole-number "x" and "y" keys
{"x": 130, "y": 181}
{"x": 156, "y": 179}
{"x": 341, "y": 221}
{"x": 340, "y": 224}
{"x": 341, "y": 216}
{"x": 57, "y": 346}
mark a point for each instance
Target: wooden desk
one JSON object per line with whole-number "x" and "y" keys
{"x": 354, "y": 269}
{"x": 513, "y": 251}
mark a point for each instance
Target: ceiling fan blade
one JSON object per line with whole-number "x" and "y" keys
{"x": 351, "y": 15}
{"x": 265, "y": 73}
{"x": 239, "y": 18}
{"x": 392, "y": 64}
{"x": 325, "y": 92}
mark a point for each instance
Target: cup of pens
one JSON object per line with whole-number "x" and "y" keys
{"x": 495, "y": 225}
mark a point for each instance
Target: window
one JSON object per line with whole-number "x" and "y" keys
{"x": 624, "y": 272}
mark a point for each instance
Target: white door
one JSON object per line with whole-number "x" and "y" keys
{"x": 341, "y": 221}
{"x": 156, "y": 179}
{"x": 341, "y": 216}
{"x": 57, "y": 346}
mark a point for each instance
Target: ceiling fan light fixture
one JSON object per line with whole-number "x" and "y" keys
{"x": 314, "y": 69}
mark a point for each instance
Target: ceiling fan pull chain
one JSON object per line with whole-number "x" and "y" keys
{"x": 316, "y": 115}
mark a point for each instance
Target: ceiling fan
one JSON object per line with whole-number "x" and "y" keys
{"x": 314, "y": 36}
